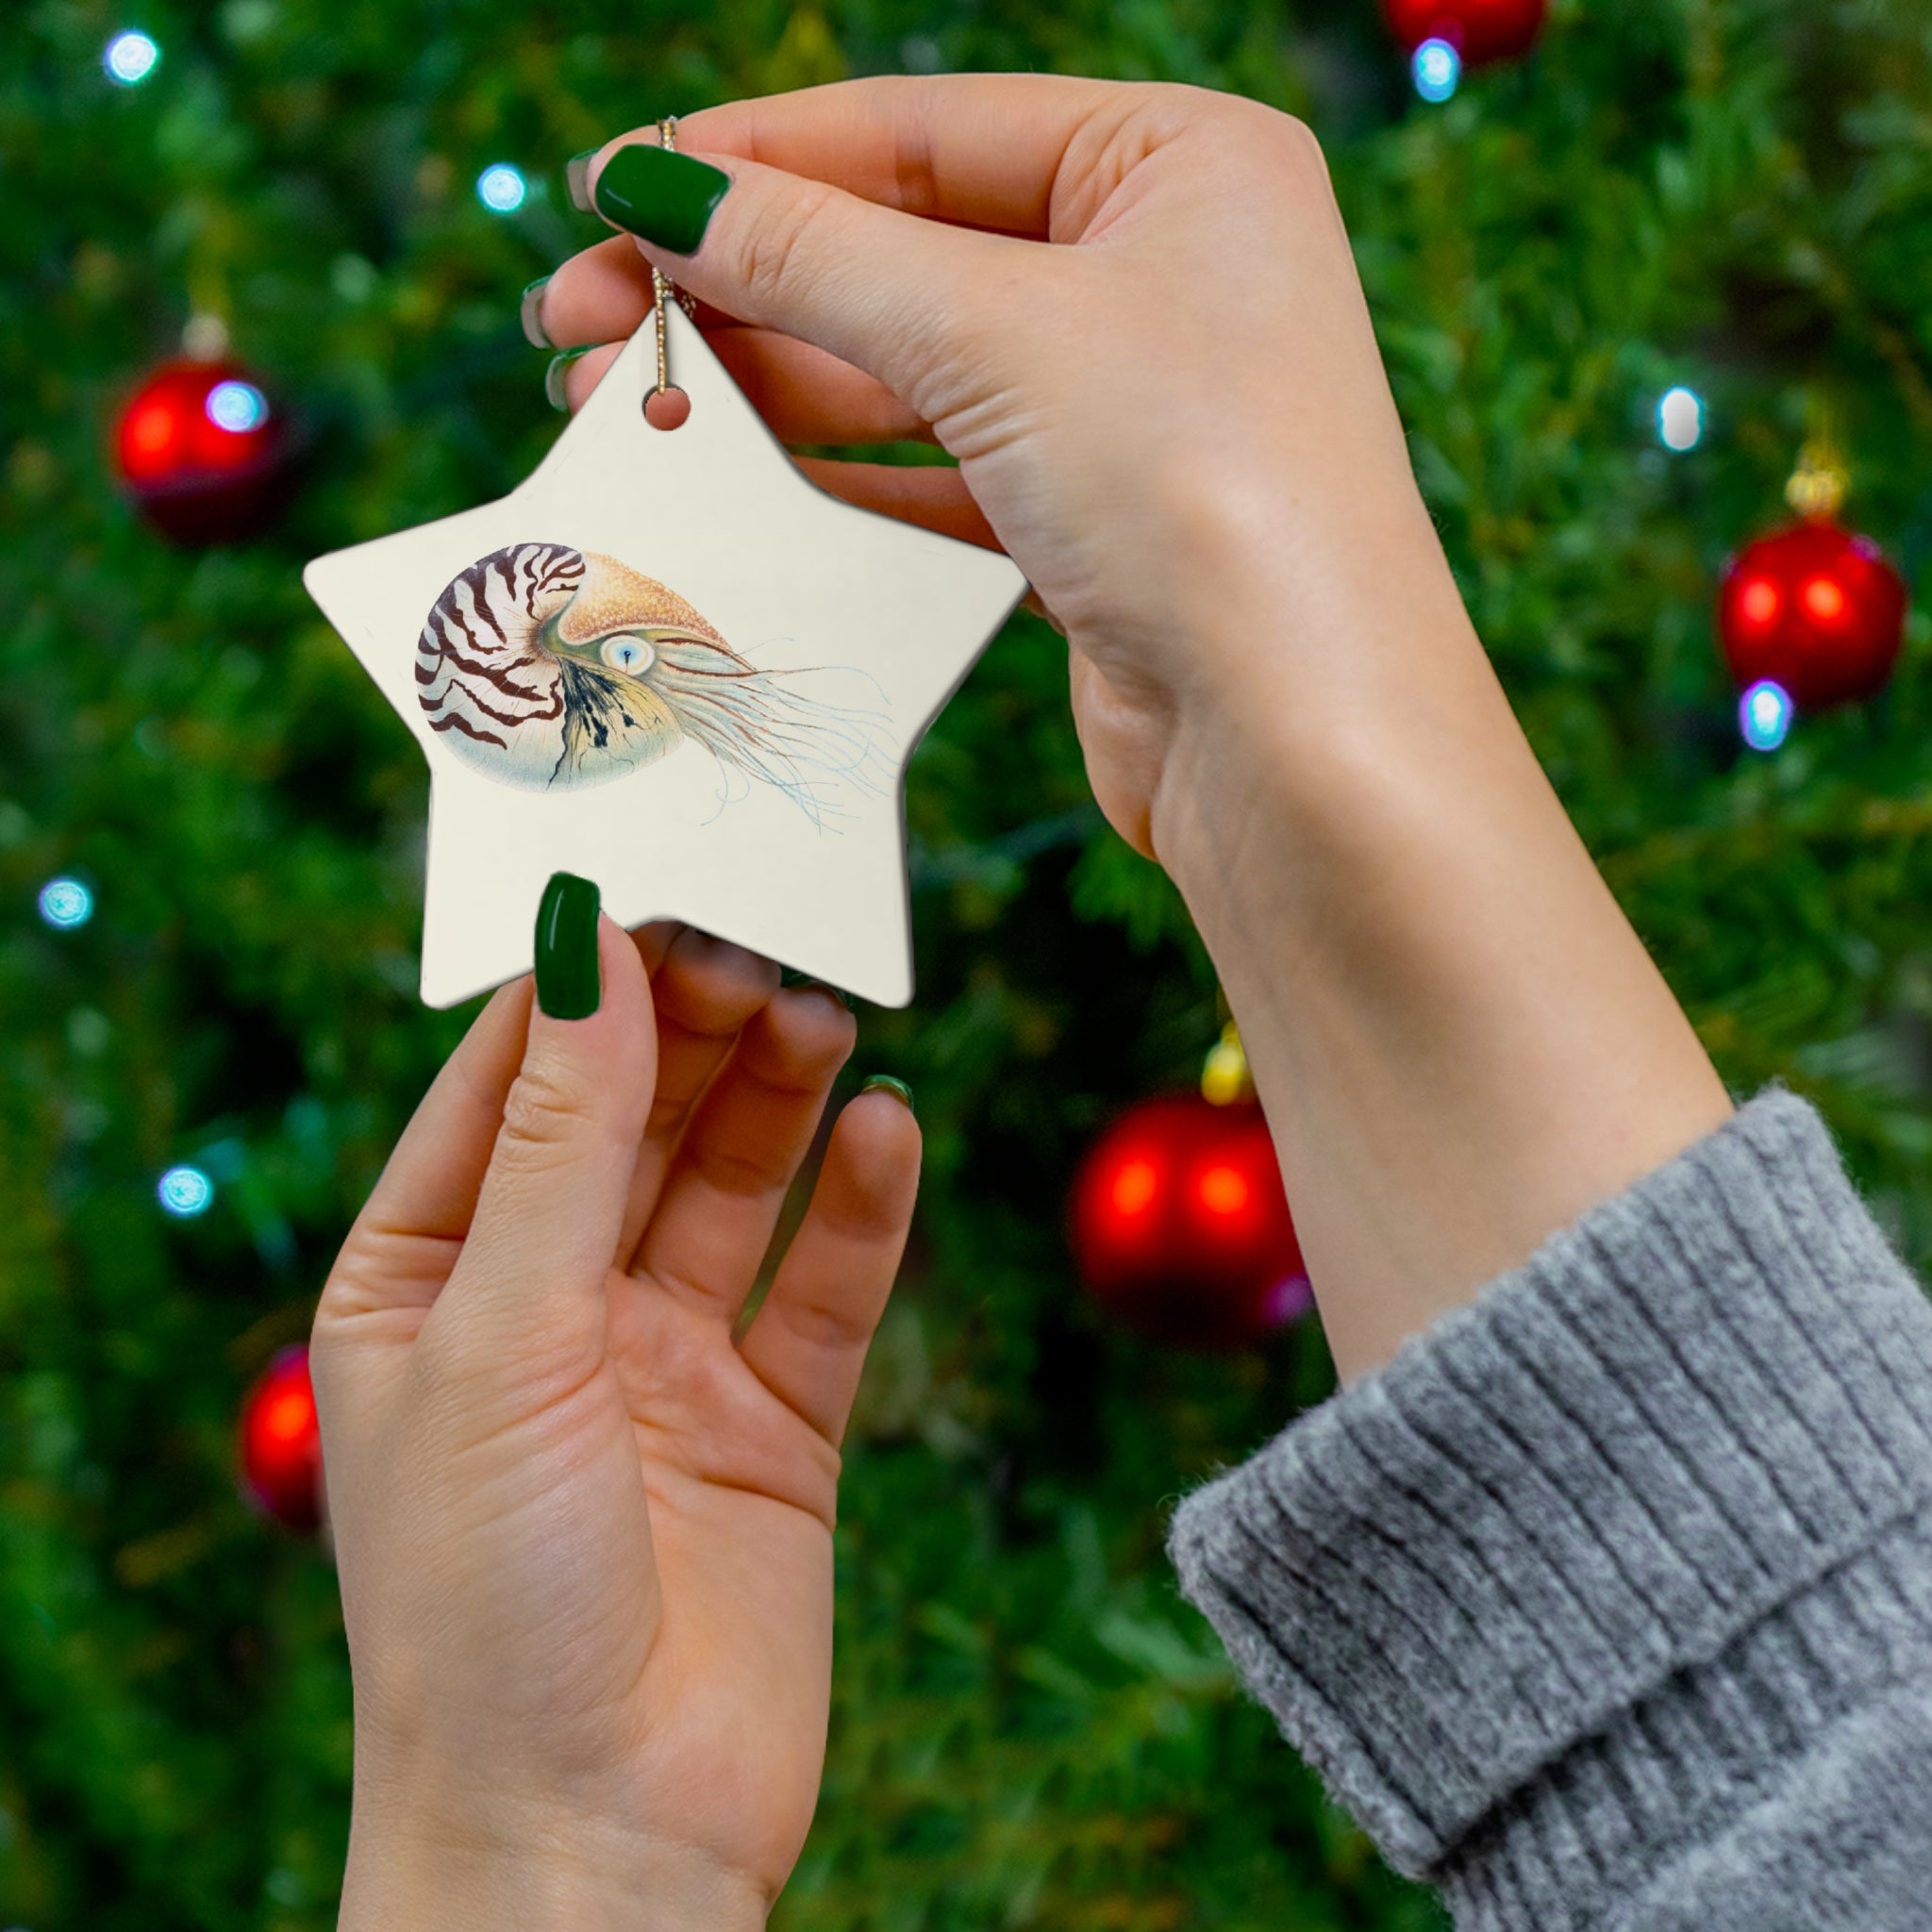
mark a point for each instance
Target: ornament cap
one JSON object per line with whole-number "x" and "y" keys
{"x": 1224, "y": 1076}
{"x": 204, "y": 338}
{"x": 1817, "y": 487}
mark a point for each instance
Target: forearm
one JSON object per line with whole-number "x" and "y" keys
{"x": 1461, "y": 1042}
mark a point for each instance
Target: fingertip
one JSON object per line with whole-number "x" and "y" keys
{"x": 600, "y": 295}
{"x": 653, "y": 941}
{"x": 567, "y": 1001}
{"x": 878, "y": 1133}
{"x": 713, "y": 985}
{"x": 581, "y": 171}
{"x": 627, "y": 980}
{"x": 813, "y": 1027}
{"x": 574, "y": 373}
{"x": 887, "y": 1083}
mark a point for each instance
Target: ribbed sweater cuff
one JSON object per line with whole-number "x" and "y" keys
{"x": 1680, "y": 1415}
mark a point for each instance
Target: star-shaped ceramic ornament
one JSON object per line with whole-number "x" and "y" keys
{"x": 669, "y": 663}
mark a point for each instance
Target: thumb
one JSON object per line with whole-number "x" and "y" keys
{"x": 889, "y": 292}
{"x": 528, "y": 1287}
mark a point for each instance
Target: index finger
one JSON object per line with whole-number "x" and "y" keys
{"x": 984, "y": 150}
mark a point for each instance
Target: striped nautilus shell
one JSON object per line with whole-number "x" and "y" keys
{"x": 548, "y": 667}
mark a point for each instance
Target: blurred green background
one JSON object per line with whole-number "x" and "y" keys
{"x": 1030, "y": 1728}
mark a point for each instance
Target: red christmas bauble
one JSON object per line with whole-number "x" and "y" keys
{"x": 1181, "y": 1227}
{"x": 281, "y": 1443}
{"x": 1480, "y": 30}
{"x": 204, "y": 452}
{"x": 1815, "y": 608}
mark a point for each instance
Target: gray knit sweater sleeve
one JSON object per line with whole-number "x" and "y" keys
{"x": 1607, "y": 1604}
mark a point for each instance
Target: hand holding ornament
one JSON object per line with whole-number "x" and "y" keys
{"x": 1132, "y": 313}
{"x": 584, "y": 1531}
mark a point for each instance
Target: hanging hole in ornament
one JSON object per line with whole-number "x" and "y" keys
{"x": 667, "y": 407}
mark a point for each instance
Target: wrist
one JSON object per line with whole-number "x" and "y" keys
{"x": 490, "y": 1873}
{"x": 1460, "y": 1043}
{"x": 1331, "y": 671}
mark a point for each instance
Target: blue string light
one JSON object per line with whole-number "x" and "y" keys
{"x": 66, "y": 904}
{"x": 185, "y": 1192}
{"x": 130, "y": 57}
{"x": 236, "y": 406}
{"x": 1764, "y": 715}
{"x": 1437, "y": 70}
{"x": 502, "y": 188}
{"x": 1680, "y": 419}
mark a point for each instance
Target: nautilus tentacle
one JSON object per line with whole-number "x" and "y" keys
{"x": 549, "y": 667}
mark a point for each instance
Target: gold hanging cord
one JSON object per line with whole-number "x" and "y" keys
{"x": 662, "y": 288}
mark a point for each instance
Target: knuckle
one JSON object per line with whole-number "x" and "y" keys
{"x": 782, "y": 242}
{"x": 736, "y": 1172}
{"x": 915, "y": 172}
{"x": 1302, "y": 147}
{"x": 825, "y": 1325}
{"x": 1188, "y": 99}
{"x": 871, "y": 1225}
{"x": 545, "y": 1114}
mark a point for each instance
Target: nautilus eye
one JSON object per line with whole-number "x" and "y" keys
{"x": 630, "y": 654}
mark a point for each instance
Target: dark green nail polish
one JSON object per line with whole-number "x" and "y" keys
{"x": 568, "y": 986}
{"x": 554, "y": 390}
{"x": 667, "y": 198}
{"x": 898, "y": 1088}
{"x": 532, "y": 313}
{"x": 577, "y": 178}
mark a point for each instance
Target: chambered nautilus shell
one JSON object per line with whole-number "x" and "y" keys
{"x": 548, "y": 667}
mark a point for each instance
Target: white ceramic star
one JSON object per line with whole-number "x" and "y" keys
{"x": 757, "y": 823}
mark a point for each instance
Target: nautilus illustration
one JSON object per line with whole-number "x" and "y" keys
{"x": 547, "y": 667}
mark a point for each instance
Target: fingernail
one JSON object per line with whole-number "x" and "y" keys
{"x": 532, "y": 314}
{"x": 898, "y": 1088}
{"x": 568, "y": 986}
{"x": 577, "y": 178}
{"x": 554, "y": 391}
{"x": 666, "y": 197}
{"x": 820, "y": 986}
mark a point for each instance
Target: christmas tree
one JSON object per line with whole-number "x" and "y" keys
{"x": 211, "y": 828}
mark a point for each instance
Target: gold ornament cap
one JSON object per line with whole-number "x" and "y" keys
{"x": 1225, "y": 1077}
{"x": 1818, "y": 485}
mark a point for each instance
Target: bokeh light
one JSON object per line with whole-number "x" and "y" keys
{"x": 1437, "y": 70}
{"x": 1758, "y": 603}
{"x": 185, "y": 1192}
{"x": 1291, "y": 1298}
{"x": 130, "y": 57}
{"x": 1135, "y": 1186}
{"x": 1823, "y": 599}
{"x": 65, "y": 904}
{"x": 1223, "y": 1189}
{"x": 502, "y": 188}
{"x": 236, "y": 407}
{"x": 1764, "y": 715}
{"x": 1680, "y": 419}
